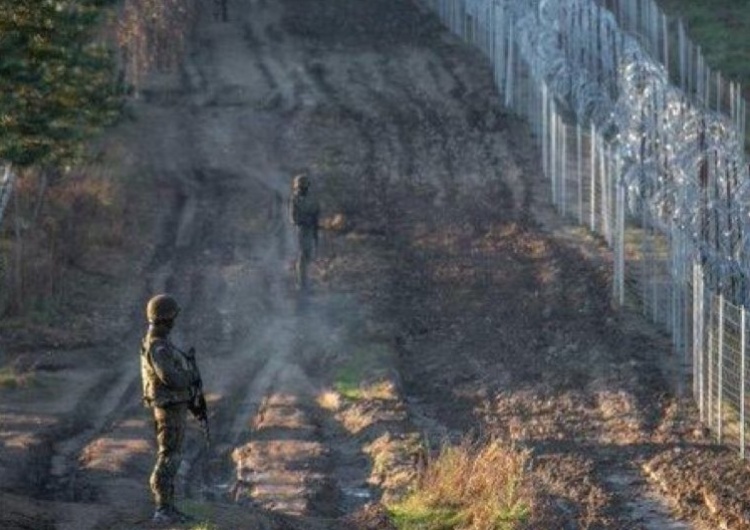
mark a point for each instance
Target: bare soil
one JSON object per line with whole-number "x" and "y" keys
{"x": 442, "y": 276}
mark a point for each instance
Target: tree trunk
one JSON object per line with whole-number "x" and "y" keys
{"x": 6, "y": 188}
{"x": 42, "y": 192}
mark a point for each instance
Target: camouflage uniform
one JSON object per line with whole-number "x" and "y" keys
{"x": 304, "y": 211}
{"x": 168, "y": 383}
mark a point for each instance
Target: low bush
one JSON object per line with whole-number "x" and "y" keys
{"x": 53, "y": 225}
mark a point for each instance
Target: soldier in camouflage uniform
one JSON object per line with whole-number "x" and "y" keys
{"x": 304, "y": 211}
{"x": 169, "y": 380}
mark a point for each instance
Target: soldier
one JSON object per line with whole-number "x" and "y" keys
{"x": 304, "y": 211}
{"x": 169, "y": 381}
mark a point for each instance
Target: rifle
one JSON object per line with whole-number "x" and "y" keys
{"x": 197, "y": 405}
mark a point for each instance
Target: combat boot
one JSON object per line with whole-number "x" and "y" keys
{"x": 170, "y": 515}
{"x": 162, "y": 516}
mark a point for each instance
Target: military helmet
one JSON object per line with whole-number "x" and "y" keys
{"x": 301, "y": 182}
{"x": 161, "y": 308}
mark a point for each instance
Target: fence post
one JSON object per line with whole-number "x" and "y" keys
{"x": 500, "y": 47}
{"x": 592, "y": 170}
{"x": 678, "y": 281}
{"x": 698, "y": 342}
{"x": 509, "y": 69}
{"x": 666, "y": 42}
{"x": 579, "y": 169}
{"x": 563, "y": 166}
{"x": 743, "y": 352}
{"x": 619, "y": 235}
{"x": 655, "y": 294}
{"x": 682, "y": 55}
{"x": 604, "y": 179}
{"x": 710, "y": 372}
{"x": 720, "y": 375}
{"x": 545, "y": 131}
{"x": 492, "y": 30}
{"x": 553, "y": 151}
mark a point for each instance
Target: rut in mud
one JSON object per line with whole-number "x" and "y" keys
{"x": 447, "y": 269}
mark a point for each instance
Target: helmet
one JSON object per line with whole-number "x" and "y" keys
{"x": 161, "y": 308}
{"x": 301, "y": 182}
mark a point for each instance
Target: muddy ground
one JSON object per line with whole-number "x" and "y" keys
{"x": 448, "y": 301}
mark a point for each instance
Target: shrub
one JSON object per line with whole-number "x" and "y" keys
{"x": 478, "y": 485}
{"x": 55, "y": 224}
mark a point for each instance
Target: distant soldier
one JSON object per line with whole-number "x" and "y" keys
{"x": 170, "y": 381}
{"x": 304, "y": 211}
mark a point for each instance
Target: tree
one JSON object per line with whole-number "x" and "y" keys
{"x": 57, "y": 84}
{"x": 58, "y": 87}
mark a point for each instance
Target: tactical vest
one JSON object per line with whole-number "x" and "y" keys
{"x": 155, "y": 392}
{"x": 305, "y": 210}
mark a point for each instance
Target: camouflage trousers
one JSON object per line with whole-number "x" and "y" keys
{"x": 305, "y": 252}
{"x": 170, "y": 432}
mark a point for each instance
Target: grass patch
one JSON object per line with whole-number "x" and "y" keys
{"x": 348, "y": 379}
{"x": 203, "y": 513}
{"x": 204, "y": 526}
{"x": 473, "y": 485}
{"x": 361, "y": 375}
{"x": 10, "y": 379}
{"x": 722, "y": 29}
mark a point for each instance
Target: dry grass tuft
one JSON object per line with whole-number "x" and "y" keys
{"x": 474, "y": 485}
{"x": 11, "y": 379}
{"x": 329, "y": 400}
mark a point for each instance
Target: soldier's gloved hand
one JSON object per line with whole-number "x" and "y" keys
{"x": 190, "y": 354}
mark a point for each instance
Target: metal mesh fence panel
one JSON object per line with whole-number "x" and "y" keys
{"x": 731, "y": 378}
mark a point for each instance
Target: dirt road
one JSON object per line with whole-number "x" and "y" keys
{"x": 448, "y": 276}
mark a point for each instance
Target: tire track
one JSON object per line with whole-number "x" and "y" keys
{"x": 276, "y": 436}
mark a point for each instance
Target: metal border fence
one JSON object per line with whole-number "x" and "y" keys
{"x": 652, "y": 168}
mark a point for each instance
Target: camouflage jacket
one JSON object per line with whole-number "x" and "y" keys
{"x": 304, "y": 210}
{"x": 166, "y": 374}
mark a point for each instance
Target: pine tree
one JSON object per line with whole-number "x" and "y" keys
{"x": 57, "y": 84}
